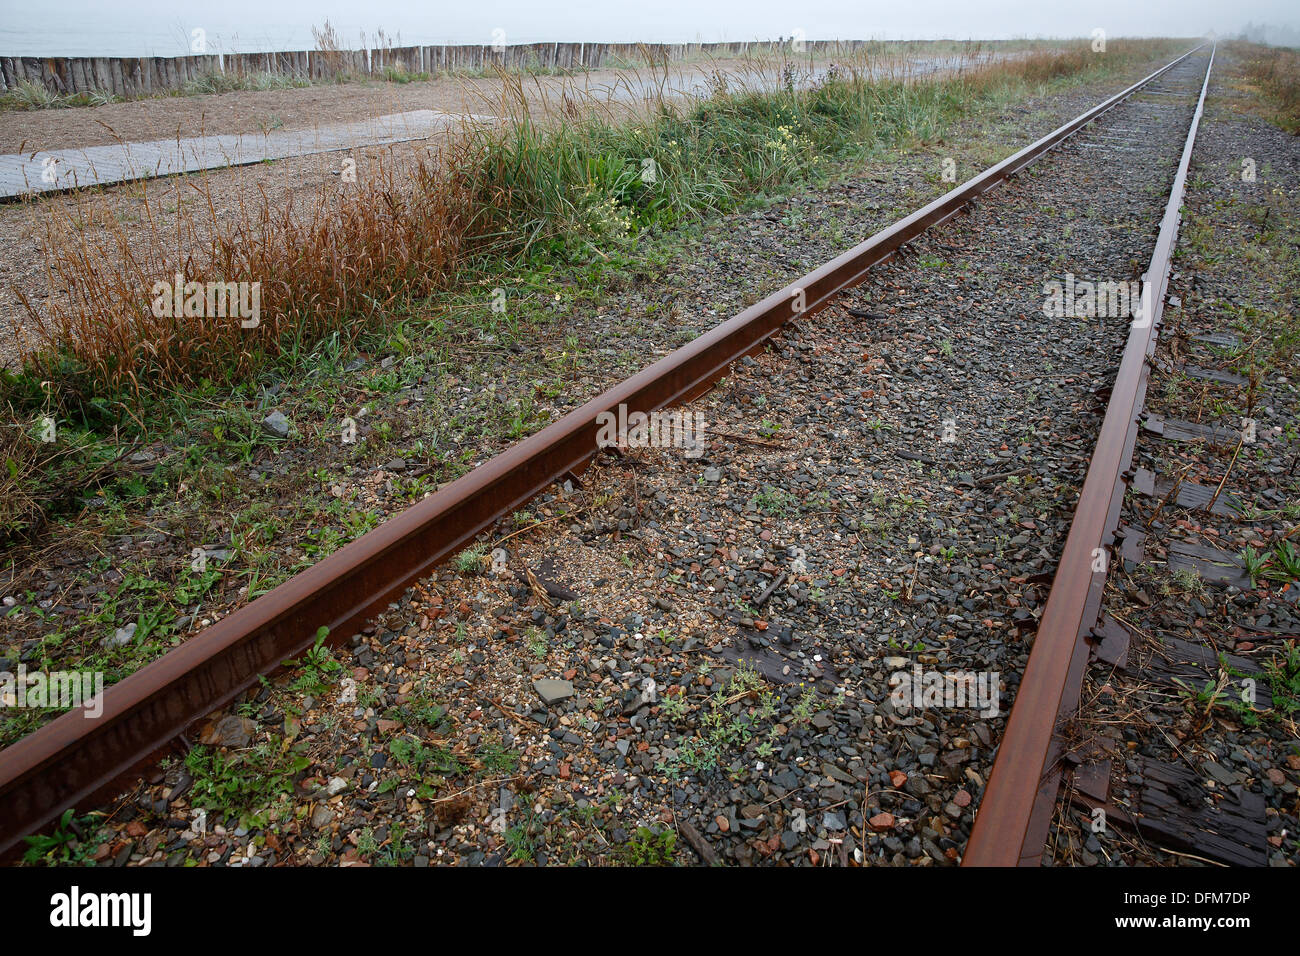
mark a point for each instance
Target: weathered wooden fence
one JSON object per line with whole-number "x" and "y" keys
{"x": 131, "y": 77}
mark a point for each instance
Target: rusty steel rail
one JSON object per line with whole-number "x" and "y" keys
{"x": 74, "y": 760}
{"x": 1014, "y": 816}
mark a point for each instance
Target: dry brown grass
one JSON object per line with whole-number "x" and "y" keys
{"x": 1071, "y": 58}
{"x": 334, "y": 266}
{"x": 1275, "y": 71}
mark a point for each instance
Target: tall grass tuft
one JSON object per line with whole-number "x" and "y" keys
{"x": 214, "y": 82}
{"x": 336, "y": 262}
{"x": 30, "y": 96}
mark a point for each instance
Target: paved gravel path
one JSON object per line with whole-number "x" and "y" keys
{"x": 49, "y": 171}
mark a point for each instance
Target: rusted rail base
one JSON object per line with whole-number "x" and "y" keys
{"x": 74, "y": 760}
{"x": 1014, "y": 816}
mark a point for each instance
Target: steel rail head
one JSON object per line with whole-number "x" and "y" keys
{"x": 74, "y": 759}
{"x": 1014, "y": 815}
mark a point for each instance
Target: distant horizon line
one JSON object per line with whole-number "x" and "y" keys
{"x": 272, "y": 48}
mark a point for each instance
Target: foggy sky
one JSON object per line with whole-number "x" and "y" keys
{"x": 163, "y": 25}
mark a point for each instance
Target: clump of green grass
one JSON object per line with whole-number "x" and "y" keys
{"x": 413, "y": 754}
{"x": 216, "y": 82}
{"x": 776, "y": 502}
{"x": 1280, "y": 565}
{"x": 497, "y": 758}
{"x": 30, "y": 96}
{"x": 723, "y": 731}
{"x": 524, "y": 840}
{"x": 537, "y": 642}
{"x": 649, "y": 847}
{"x": 242, "y": 783}
{"x": 35, "y": 96}
{"x": 317, "y": 670}
{"x": 473, "y": 560}
{"x": 212, "y": 82}
{"x": 41, "y": 469}
{"x": 398, "y": 74}
{"x": 69, "y": 843}
{"x": 1283, "y": 675}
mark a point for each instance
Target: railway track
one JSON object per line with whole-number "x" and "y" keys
{"x": 1012, "y": 826}
{"x": 73, "y": 762}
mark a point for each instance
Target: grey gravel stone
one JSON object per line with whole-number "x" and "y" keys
{"x": 276, "y": 425}
{"x": 553, "y": 691}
